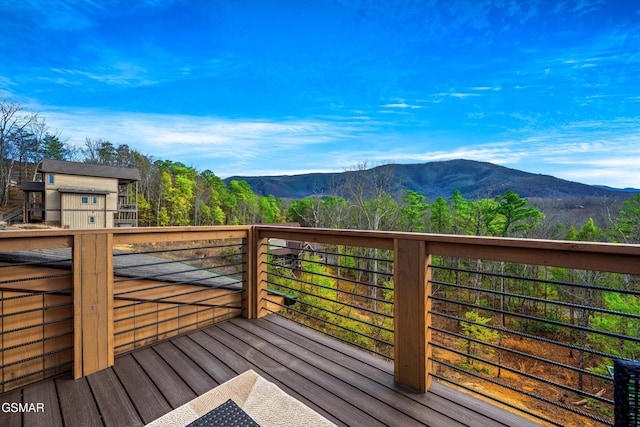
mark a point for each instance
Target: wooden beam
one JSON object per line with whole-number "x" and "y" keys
{"x": 33, "y": 241}
{"x": 259, "y": 288}
{"x": 380, "y": 240}
{"x": 609, "y": 258}
{"x": 93, "y": 303}
{"x": 410, "y": 344}
{"x": 178, "y": 234}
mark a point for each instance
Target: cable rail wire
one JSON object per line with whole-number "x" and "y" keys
{"x": 512, "y": 306}
{"x": 324, "y": 331}
{"x": 331, "y": 301}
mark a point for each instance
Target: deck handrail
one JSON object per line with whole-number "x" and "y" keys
{"x": 414, "y": 255}
{"x": 419, "y": 349}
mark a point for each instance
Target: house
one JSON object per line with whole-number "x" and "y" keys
{"x": 82, "y": 195}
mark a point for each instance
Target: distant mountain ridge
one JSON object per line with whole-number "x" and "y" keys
{"x": 474, "y": 179}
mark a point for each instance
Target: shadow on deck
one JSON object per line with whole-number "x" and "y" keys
{"x": 345, "y": 385}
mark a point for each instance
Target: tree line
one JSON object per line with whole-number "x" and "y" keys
{"x": 172, "y": 193}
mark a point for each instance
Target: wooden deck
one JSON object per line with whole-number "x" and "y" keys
{"x": 347, "y": 386}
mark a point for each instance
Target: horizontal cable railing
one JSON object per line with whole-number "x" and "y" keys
{"x": 70, "y": 299}
{"x": 36, "y": 316}
{"x": 162, "y": 289}
{"x": 342, "y": 291}
{"x": 530, "y": 325}
{"x": 544, "y": 336}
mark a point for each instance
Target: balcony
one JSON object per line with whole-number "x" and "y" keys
{"x": 121, "y": 326}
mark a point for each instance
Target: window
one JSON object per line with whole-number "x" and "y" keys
{"x": 51, "y": 179}
{"x": 84, "y": 200}
{"x": 92, "y": 220}
{"x": 94, "y": 200}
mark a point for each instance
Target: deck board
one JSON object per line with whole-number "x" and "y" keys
{"x": 113, "y": 402}
{"x": 76, "y": 403}
{"x": 145, "y": 396}
{"x": 388, "y": 405}
{"x": 344, "y": 384}
{"x": 305, "y": 390}
{"x": 323, "y": 374}
{"x": 207, "y": 361}
{"x": 168, "y": 382}
{"x": 11, "y": 419}
{"x": 238, "y": 364}
{"x": 195, "y": 377}
{"x": 45, "y": 393}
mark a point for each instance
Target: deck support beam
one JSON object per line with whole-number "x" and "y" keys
{"x": 411, "y": 364}
{"x": 92, "y": 303}
{"x": 255, "y": 305}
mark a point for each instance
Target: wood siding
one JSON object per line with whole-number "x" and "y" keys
{"x": 66, "y": 209}
{"x": 76, "y": 214}
{"x": 37, "y": 330}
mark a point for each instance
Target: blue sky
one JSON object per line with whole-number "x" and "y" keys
{"x": 283, "y": 87}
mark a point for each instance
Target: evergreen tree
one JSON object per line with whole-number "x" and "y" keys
{"x": 627, "y": 223}
{"x": 413, "y": 212}
{"x": 515, "y": 215}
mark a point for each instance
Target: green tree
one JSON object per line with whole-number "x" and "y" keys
{"x": 177, "y": 187}
{"x": 440, "y": 218}
{"x": 473, "y": 329}
{"x": 54, "y": 148}
{"x": 413, "y": 212}
{"x": 590, "y": 232}
{"x": 270, "y": 209}
{"x": 515, "y": 215}
{"x": 627, "y": 223}
{"x": 460, "y": 213}
{"x": 482, "y": 214}
{"x": 242, "y": 203}
{"x": 617, "y": 324}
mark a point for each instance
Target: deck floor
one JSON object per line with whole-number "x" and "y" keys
{"x": 347, "y": 386}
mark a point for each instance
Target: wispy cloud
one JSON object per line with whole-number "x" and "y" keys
{"x": 217, "y": 143}
{"x": 75, "y": 16}
{"x": 402, "y": 105}
{"x": 118, "y": 74}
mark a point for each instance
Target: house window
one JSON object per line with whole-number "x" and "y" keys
{"x": 84, "y": 200}
{"x": 51, "y": 179}
{"x": 92, "y": 220}
{"x": 94, "y": 200}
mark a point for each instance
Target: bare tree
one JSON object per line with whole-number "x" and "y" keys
{"x": 13, "y": 124}
{"x": 371, "y": 190}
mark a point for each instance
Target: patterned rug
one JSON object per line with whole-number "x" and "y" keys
{"x": 246, "y": 397}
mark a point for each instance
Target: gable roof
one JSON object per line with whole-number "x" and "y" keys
{"x": 88, "y": 169}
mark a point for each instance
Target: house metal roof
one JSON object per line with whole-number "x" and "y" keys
{"x": 88, "y": 169}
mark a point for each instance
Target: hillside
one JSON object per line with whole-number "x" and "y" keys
{"x": 434, "y": 179}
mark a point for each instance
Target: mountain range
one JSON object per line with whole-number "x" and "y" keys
{"x": 475, "y": 180}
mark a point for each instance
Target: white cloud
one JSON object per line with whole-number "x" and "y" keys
{"x": 402, "y": 105}
{"x": 485, "y": 88}
{"x": 593, "y": 152}
{"x": 459, "y": 95}
{"x": 204, "y": 142}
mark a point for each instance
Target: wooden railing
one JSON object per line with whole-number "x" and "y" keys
{"x": 71, "y": 300}
{"x": 529, "y": 324}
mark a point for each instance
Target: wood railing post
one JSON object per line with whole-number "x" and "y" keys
{"x": 92, "y": 302}
{"x": 256, "y": 291}
{"x": 411, "y": 362}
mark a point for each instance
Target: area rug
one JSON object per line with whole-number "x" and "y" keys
{"x": 262, "y": 400}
